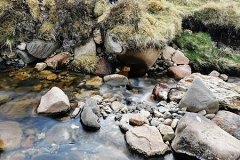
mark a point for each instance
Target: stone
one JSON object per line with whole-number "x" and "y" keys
{"x": 40, "y": 66}
{"x": 88, "y": 49}
{"x": 210, "y": 116}
{"x": 145, "y": 113}
{"x": 49, "y": 75}
{"x": 202, "y": 112}
{"x": 98, "y": 98}
{"x": 103, "y": 67}
{"x": 214, "y": 73}
{"x": 174, "y": 123}
{"x": 155, "y": 122}
{"x": 167, "y": 132}
{"x": 198, "y": 98}
{"x": 167, "y": 114}
{"x": 27, "y": 58}
{"x": 228, "y": 94}
{"x": 55, "y": 101}
{"x": 146, "y": 140}
{"x": 113, "y": 44}
{"x": 94, "y": 82}
{"x": 115, "y": 80}
{"x": 179, "y": 72}
{"x": 124, "y": 123}
{"x": 22, "y": 46}
{"x": 160, "y": 91}
{"x": 223, "y": 77}
{"x": 168, "y": 121}
{"x": 77, "y": 109}
{"x": 157, "y": 114}
{"x": 167, "y": 53}
{"x": 229, "y": 122}
{"x": 97, "y": 36}
{"x": 58, "y": 60}
{"x": 89, "y": 119}
{"x": 199, "y": 137}
{"x": 10, "y": 135}
{"x": 41, "y": 49}
{"x": 117, "y": 106}
{"x": 4, "y": 98}
{"x": 138, "y": 120}
{"x": 179, "y": 58}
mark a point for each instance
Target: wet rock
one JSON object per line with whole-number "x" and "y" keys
{"x": 167, "y": 132}
{"x": 223, "y": 77}
{"x": 89, "y": 119}
{"x": 138, "y": 120}
{"x": 94, "y": 82}
{"x": 202, "y": 112}
{"x": 58, "y": 60}
{"x": 167, "y": 53}
{"x": 124, "y": 123}
{"x": 117, "y": 106}
{"x": 145, "y": 113}
{"x": 146, "y": 140}
{"x": 214, "y": 73}
{"x": 229, "y": 122}
{"x": 180, "y": 58}
{"x": 40, "y": 66}
{"x": 55, "y": 101}
{"x": 198, "y": 98}
{"x": 10, "y": 135}
{"x": 22, "y": 46}
{"x": 27, "y": 58}
{"x": 113, "y": 44}
{"x": 41, "y": 49}
{"x": 4, "y": 98}
{"x": 228, "y": 94}
{"x": 49, "y": 75}
{"x": 174, "y": 123}
{"x": 179, "y": 72}
{"x": 160, "y": 91}
{"x": 103, "y": 67}
{"x": 199, "y": 137}
{"x": 115, "y": 80}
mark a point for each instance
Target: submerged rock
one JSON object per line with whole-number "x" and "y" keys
{"x": 41, "y": 49}
{"x": 229, "y": 122}
{"x": 10, "y": 135}
{"x": 198, "y": 98}
{"x": 55, "y": 101}
{"x": 4, "y": 98}
{"x": 199, "y": 137}
{"x": 146, "y": 140}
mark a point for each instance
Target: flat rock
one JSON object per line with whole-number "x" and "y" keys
{"x": 146, "y": 140}
{"x": 58, "y": 60}
{"x": 198, "y": 98}
{"x": 179, "y": 72}
{"x": 88, "y": 49}
{"x": 10, "y": 135}
{"x": 115, "y": 80}
{"x": 138, "y": 120}
{"x": 117, "y": 106}
{"x": 40, "y": 66}
{"x": 167, "y": 53}
{"x": 201, "y": 138}
{"x": 180, "y": 58}
{"x": 89, "y": 119}
{"x": 41, "y": 49}
{"x": 55, "y": 101}
{"x": 229, "y": 122}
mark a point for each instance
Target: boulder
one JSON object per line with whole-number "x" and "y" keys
{"x": 229, "y": 122}
{"x": 113, "y": 44}
{"x": 199, "y": 137}
{"x": 228, "y": 94}
{"x": 27, "y": 58}
{"x": 179, "y": 72}
{"x": 10, "y": 135}
{"x": 115, "y": 80}
{"x": 55, "y": 101}
{"x": 198, "y": 98}
{"x": 146, "y": 140}
{"x": 41, "y": 49}
{"x": 138, "y": 120}
{"x": 58, "y": 60}
{"x": 89, "y": 119}
{"x": 180, "y": 58}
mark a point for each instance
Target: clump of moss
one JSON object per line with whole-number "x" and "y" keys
{"x": 100, "y": 7}
{"x": 200, "y": 49}
{"x": 35, "y": 10}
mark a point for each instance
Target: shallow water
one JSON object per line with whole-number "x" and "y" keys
{"x": 47, "y": 138}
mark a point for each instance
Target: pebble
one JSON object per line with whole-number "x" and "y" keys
{"x": 155, "y": 122}
{"x": 22, "y": 46}
{"x": 145, "y": 113}
{"x": 167, "y": 132}
{"x": 167, "y": 122}
{"x": 157, "y": 114}
{"x": 167, "y": 115}
{"x": 223, "y": 77}
{"x": 210, "y": 116}
{"x": 203, "y": 112}
{"x": 174, "y": 123}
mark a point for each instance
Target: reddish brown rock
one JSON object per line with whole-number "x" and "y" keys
{"x": 103, "y": 67}
{"x": 58, "y": 60}
{"x": 138, "y": 120}
{"x": 179, "y": 72}
{"x": 179, "y": 58}
{"x": 160, "y": 91}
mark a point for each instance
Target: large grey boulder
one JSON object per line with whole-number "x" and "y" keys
{"x": 198, "y": 98}
{"x": 229, "y": 122}
{"x": 41, "y": 49}
{"x": 199, "y": 137}
{"x": 55, "y": 101}
{"x": 26, "y": 57}
{"x": 146, "y": 140}
{"x": 10, "y": 135}
{"x": 89, "y": 119}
